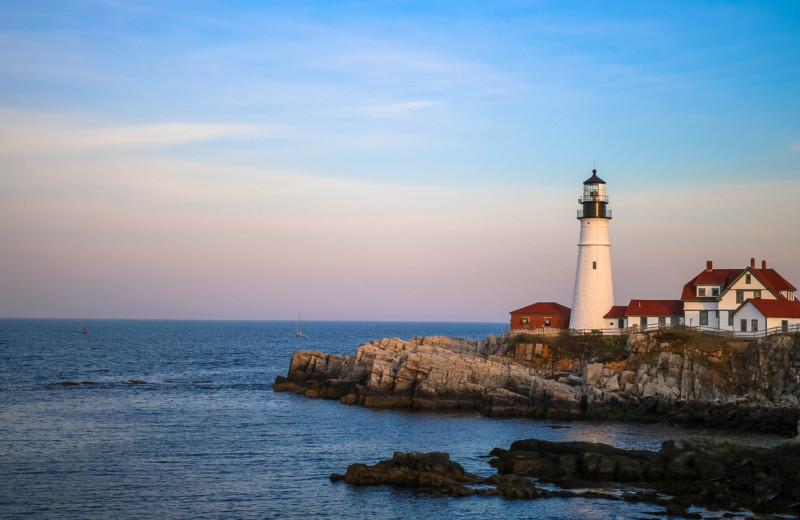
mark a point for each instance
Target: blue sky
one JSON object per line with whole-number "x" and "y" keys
{"x": 385, "y": 160}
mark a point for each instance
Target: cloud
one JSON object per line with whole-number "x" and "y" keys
{"x": 797, "y": 146}
{"x": 399, "y": 108}
{"x": 24, "y": 133}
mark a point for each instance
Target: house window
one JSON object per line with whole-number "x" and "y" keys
{"x": 743, "y": 325}
{"x": 715, "y": 291}
{"x": 703, "y": 317}
{"x": 747, "y": 278}
{"x": 594, "y": 265}
{"x": 662, "y": 321}
{"x": 701, "y": 292}
{"x": 547, "y": 322}
{"x": 674, "y": 321}
{"x": 730, "y": 318}
{"x": 756, "y": 294}
{"x": 525, "y": 322}
{"x": 739, "y": 296}
{"x": 785, "y": 325}
{"x": 643, "y": 321}
{"x": 754, "y": 324}
{"x": 621, "y": 323}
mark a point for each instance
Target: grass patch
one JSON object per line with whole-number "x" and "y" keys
{"x": 571, "y": 346}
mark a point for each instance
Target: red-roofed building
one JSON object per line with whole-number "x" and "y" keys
{"x": 758, "y": 314}
{"x": 715, "y": 297}
{"x": 646, "y": 313}
{"x": 540, "y": 315}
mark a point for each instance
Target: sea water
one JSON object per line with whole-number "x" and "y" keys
{"x": 182, "y": 423}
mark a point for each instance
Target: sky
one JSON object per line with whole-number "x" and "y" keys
{"x": 385, "y": 160}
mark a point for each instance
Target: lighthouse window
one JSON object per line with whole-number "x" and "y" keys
{"x": 594, "y": 265}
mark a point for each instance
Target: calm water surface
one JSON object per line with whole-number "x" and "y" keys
{"x": 207, "y": 438}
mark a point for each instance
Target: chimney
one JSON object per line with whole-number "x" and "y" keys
{"x": 763, "y": 264}
{"x": 709, "y": 263}
{"x": 753, "y": 263}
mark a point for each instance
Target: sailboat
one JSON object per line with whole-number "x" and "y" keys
{"x": 299, "y": 332}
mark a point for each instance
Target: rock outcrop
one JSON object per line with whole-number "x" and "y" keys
{"x": 670, "y": 376}
{"x": 431, "y": 373}
{"x": 415, "y": 469}
{"x": 699, "y": 472}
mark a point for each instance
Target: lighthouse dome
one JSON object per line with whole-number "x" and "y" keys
{"x": 594, "y": 179}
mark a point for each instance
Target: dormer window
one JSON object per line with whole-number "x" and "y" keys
{"x": 701, "y": 292}
{"x": 715, "y": 291}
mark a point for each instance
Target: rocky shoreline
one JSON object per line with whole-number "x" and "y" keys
{"x": 673, "y": 376}
{"x": 700, "y": 472}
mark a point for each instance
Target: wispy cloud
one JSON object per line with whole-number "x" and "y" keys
{"x": 23, "y": 133}
{"x": 394, "y": 109}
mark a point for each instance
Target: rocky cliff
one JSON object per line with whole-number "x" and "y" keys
{"x": 675, "y": 375}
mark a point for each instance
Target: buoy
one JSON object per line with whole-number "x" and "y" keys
{"x": 84, "y": 330}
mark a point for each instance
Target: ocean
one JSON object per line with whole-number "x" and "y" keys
{"x": 182, "y": 423}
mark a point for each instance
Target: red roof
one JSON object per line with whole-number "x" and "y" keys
{"x": 773, "y": 280}
{"x": 781, "y": 308}
{"x": 654, "y": 308}
{"x": 548, "y": 308}
{"x": 721, "y": 277}
{"x": 724, "y": 277}
{"x": 617, "y": 311}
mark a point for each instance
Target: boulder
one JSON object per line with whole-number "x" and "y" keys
{"x": 414, "y": 469}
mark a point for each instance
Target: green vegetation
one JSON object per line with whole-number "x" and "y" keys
{"x": 676, "y": 338}
{"x": 593, "y": 346}
{"x": 514, "y": 341}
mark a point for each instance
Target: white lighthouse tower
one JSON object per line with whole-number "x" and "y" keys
{"x": 594, "y": 293}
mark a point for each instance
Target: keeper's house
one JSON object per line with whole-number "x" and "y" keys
{"x": 740, "y": 300}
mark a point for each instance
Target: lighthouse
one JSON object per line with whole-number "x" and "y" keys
{"x": 594, "y": 292}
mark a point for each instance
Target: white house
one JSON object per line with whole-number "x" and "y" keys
{"x": 760, "y": 315}
{"x": 717, "y": 298}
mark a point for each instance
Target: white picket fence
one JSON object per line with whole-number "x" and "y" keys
{"x": 550, "y": 331}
